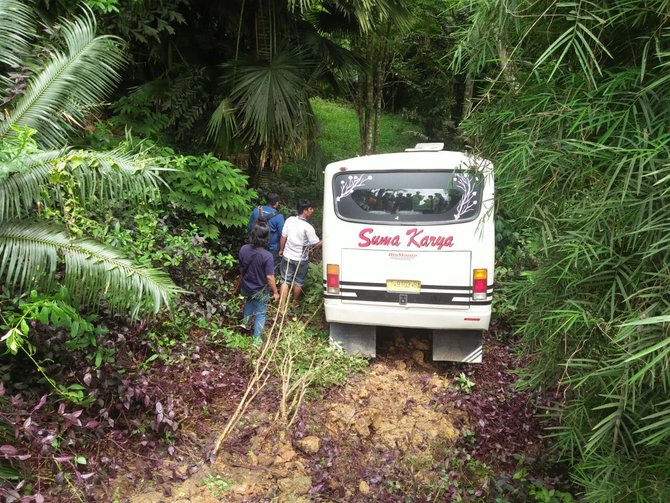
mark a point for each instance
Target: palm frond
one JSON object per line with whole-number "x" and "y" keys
{"x": 111, "y": 174}
{"x": 72, "y": 82}
{"x": 657, "y": 428}
{"x": 271, "y": 99}
{"x": 367, "y": 14}
{"x": 222, "y": 124}
{"x": 15, "y": 31}
{"x": 105, "y": 175}
{"x": 24, "y": 182}
{"x": 581, "y": 148}
{"x": 578, "y": 39}
{"x": 332, "y": 55}
{"x": 30, "y": 253}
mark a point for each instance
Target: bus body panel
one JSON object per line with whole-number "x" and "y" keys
{"x": 430, "y": 269}
{"x": 409, "y": 266}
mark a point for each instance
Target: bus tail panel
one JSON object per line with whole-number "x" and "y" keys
{"x": 430, "y": 279}
{"x": 395, "y": 315}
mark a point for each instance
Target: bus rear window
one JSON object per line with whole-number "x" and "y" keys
{"x": 408, "y": 197}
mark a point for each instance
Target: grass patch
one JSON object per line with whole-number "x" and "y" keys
{"x": 216, "y": 485}
{"x": 338, "y": 131}
{"x": 338, "y": 139}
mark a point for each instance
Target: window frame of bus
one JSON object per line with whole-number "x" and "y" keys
{"x": 480, "y": 181}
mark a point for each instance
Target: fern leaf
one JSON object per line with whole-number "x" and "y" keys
{"x": 30, "y": 253}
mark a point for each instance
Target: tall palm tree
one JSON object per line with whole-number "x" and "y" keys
{"x": 37, "y": 170}
{"x": 265, "y": 110}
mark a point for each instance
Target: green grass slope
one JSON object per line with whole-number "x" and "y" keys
{"x": 338, "y": 139}
{"x": 338, "y": 131}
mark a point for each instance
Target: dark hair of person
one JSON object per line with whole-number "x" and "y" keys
{"x": 259, "y": 236}
{"x": 273, "y": 199}
{"x": 303, "y": 204}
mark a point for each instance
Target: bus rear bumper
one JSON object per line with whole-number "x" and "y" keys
{"x": 474, "y": 318}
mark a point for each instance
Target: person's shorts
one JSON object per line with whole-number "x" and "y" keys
{"x": 293, "y": 271}
{"x": 277, "y": 260}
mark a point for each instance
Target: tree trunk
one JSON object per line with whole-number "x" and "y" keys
{"x": 383, "y": 63}
{"x": 264, "y": 33}
{"x": 468, "y": 93}
{"x": 369, "y": 111}
{"x": 360, "y": 107}
{"x": 507, "y": 67}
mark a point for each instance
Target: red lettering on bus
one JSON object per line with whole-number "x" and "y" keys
{"x": 367, "y": 239}
{"x": 428, "y": 241}
{"x": 415, "y": 239}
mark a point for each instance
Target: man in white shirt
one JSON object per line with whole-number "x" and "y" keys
{"x": 298, "y": 237}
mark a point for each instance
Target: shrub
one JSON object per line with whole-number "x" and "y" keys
{"x": 211, "y": 189}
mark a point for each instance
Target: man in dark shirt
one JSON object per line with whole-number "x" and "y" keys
{"x": 257, "y": 273}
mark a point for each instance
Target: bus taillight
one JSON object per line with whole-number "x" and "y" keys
{"x": 479, "y": 277}
{"x": 333, "y": 278}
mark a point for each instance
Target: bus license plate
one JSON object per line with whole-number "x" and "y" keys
{"x": 403, "y": 285}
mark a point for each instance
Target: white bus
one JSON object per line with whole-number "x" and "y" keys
{"x": 409, "y": 242}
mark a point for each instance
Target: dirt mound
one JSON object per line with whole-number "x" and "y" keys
{"x": 344, "y": 446}
{"x": 406, "y": 429}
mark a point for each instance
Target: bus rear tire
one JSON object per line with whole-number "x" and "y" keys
{"x": 354, "y": 339}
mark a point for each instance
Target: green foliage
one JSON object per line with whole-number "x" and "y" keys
{"x": 103, "y": 6}
{"x": 170, "y": 340}
{"x": 266, "y": 106}
{"x": 516, "y": 254}
{"x": 15, "y": 34}
{"x": 338, "y": 139}
{"x": 229, "y": 338}
{"x": 138, "y": 113}
{"x": 149, "y": 240}
{"x": 18, "y": 316}
{"x": 216, "y": 485}
{"x": 310, "y": 352}
{"x": 375, "y": 49}
{"x": 523, "y": 486}
{"x": 52, "y": 103}
{"x": 423, "y": 86}
{"x": 150, "y": 237}
{"x": 312, "y": 298}
{"x": 577, "y": 125}
{"x": 464, "y": 383}
{"x": 168, "y": 107}
{"x": 97, "y": 6}
{"x": 338, "y": 135}
{"x": 44, "y": 193}
{"x": 464, "y": 479}
{"x": 211, "y": 189}
{"x": 145, "y": 23}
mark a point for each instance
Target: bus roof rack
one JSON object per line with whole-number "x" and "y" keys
{"x": 426, "y": 147}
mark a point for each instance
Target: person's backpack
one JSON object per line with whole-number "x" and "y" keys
{"x": 265, "y": 217}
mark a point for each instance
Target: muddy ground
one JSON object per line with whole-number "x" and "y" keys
{"x": 406, "y": 429}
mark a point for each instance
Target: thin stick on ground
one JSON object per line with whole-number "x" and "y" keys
{"x": 260, "y": 376}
